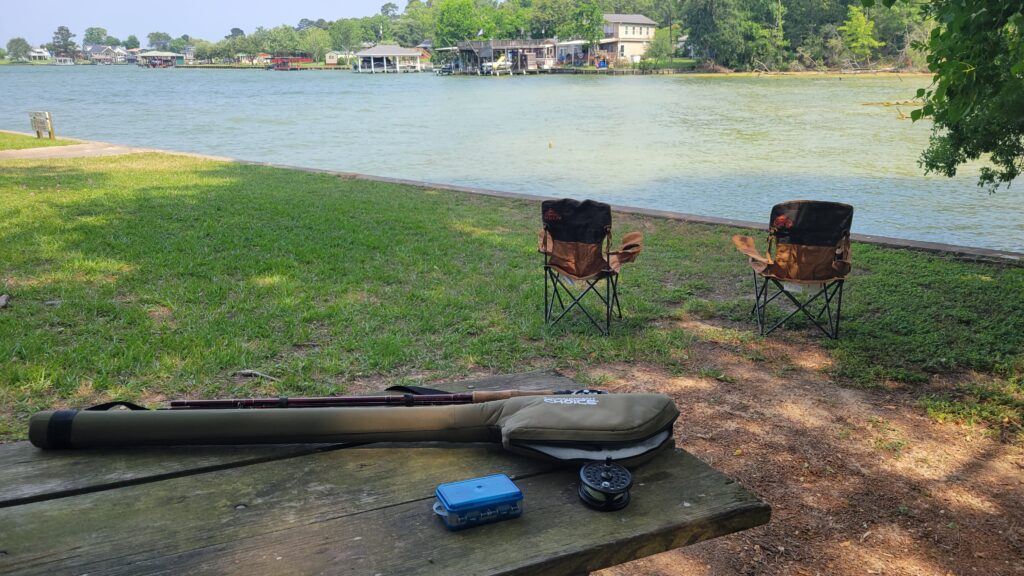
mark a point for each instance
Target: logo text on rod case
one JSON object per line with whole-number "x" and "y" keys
{"x": 585, "y": 401}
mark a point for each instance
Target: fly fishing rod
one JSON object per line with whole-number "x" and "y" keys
{"x": 446, "y": 399}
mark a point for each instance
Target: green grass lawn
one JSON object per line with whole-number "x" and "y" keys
{"x": 9, "y": 141}
{"x": 152, "y": 276}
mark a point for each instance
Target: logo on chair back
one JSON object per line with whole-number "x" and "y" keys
{"x": 782, "y": 222}
{"x": 575, "y": 401}
{"x": 552, "y": 215}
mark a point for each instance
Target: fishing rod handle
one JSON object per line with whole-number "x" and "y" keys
{"x": 491, "y": 396}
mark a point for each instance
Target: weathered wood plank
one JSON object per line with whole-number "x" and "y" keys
{"x": 28, "y": 474}
{"x": 367, "y": 511}
{"x": 156, "y": 520}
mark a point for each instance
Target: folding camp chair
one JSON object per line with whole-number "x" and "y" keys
{"x": 808, "y": 249}
{"x": 576, "y": 244}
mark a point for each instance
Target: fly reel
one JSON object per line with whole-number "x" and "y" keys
{"x": 605, "y": 485}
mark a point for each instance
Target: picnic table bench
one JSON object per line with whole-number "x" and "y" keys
{"x": 330, "y": 509}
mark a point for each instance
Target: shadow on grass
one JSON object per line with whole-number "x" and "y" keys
{"x": 152, "y": 276}
{"x": 145, "y": 276}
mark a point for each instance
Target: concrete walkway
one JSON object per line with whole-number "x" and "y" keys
{"x": 83, "y": 150}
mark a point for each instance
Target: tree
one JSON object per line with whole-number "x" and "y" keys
{"x": 3, "y": 54}
{"x": 159, "y": 40}
{"x": 62, "y": 44}
{"x": 94, "y": 35}
{"x": 859, "y": 34}
{"x": 281, "y": 41}
{"x": 457, "y": 20}
{"x": 346, "y": 34}
{"x": 18, "y": 49}
{"x": 236, "y": 33}
{"x": 715, "y": 30}
{"x": 132, "y": 42}
{"x": 315, "y": 42}
{"x": 668, "y": 12}
{"x": 206, "y": 50}
{"x": 111, "y": 41}
{"x": 586, "y": 22}
{"x": 548, "y": 16}
{"x": 389, "y": 10}
{"x": 512, "y": 20}
{"x": 662, "y": 47}
{"x": 381, "y": 28}
{"x": 976, "y": 99}
{"x": 737, "y": 33}
{"x": 180, "y": 43}
{"x": 414, "y": 25}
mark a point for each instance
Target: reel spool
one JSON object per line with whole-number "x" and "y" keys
{"x": 605, "y": 485}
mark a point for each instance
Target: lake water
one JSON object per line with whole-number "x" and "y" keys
{"x": 718, "y": 146}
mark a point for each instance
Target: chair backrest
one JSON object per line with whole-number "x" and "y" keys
{"x": 810, "y": 240}
{"x": 811, "y": 222}
{"x": 569, "y": 220}
{"x": 577, "y": 236}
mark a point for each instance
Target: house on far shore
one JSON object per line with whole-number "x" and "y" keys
{"x": 389, "y": 58}
{"x": 627, "y": 35}
{"x": 39, "y": 54}
{"x": 100, "y": 54}
{"x": 332, "y": 57}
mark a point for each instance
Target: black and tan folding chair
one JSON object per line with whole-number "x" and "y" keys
{"x": 576, "y": 244}
{"x": 809, "y": 253}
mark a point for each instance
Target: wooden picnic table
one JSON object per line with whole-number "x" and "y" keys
{"x": 328, "y": 509}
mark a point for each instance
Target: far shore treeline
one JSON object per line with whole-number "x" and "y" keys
{"x": 735, "y": 34}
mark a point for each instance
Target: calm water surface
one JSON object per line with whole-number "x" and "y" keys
{"x": 721, "y": 146}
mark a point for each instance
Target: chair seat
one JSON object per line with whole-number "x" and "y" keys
{"x": 600, "y": 274}
{"x": 768, "y": 272}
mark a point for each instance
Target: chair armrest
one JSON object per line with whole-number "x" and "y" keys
{"x": 632, "y": 245}
{"x": 745, "y": 244}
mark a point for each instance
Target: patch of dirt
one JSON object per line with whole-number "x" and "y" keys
{"x": 161, "y": 315}
{"x": 860, "y": 482}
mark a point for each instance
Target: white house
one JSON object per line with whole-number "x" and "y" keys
{"x": 39, "y": 54}
{"x": 627, "y": 35}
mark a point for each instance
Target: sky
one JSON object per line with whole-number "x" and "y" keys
{"x": 207, "y": 19}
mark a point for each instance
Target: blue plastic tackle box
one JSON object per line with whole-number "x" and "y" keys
{"x": 468, "y": 503}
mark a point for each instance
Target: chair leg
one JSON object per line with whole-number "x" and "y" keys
{"x": 615, "y": 295}
{"x": 607, "y": 298}
{"x": 760, "y": 301}
{"x": 839, "y": 310}
{"x": 547, "y": 311}
{"x": 556, "y": 294}
{"x": 577, "y": 302}
{"x": 803, "y": 307}
{"x": 607, "y": 305}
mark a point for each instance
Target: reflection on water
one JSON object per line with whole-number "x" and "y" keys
{"x": 720, "y": 146}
